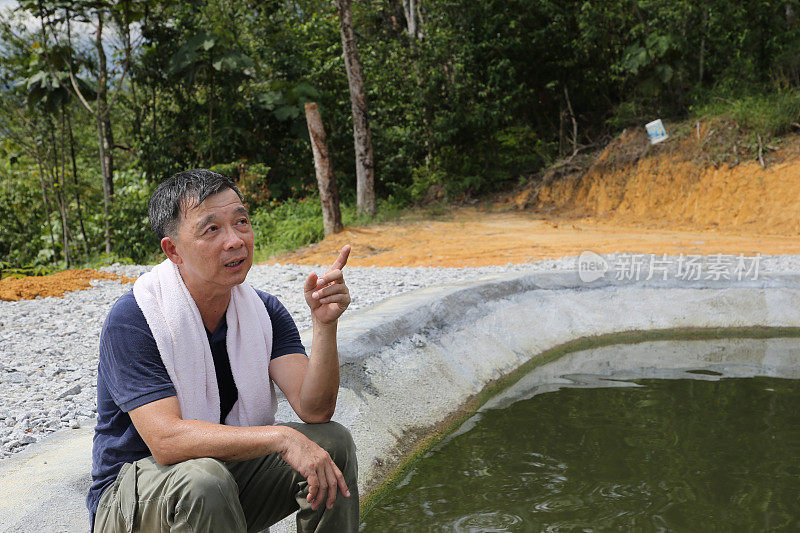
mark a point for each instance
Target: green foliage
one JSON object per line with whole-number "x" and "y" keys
{"x": 49, "y": 82}
{"x": 767, "y": 114}
{"x": 133, "y": 239}
{"x": 627, "y": 114}
{"x": 203, "y": 49}
{"x": 295, "y": 223}
{"x": 8, "y": 270}
{"x": 287, "y": 226}
{"x": 252, "y": 180}
{"x": 22, "y": 227}
{"x": 104, "y": 259}
{"x": 426, "y": 184}
{"x": 481, "y": 100}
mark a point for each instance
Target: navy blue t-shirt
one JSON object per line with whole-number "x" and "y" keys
{"x": 131, "y": 373}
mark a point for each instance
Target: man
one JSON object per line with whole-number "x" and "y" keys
{"x": 169, "y": 453}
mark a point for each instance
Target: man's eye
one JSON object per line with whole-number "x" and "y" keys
{"x": 244, "y": 221}
{"x": 211, "y": 228}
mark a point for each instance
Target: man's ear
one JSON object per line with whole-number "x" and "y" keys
{"x": 168, "y": 245}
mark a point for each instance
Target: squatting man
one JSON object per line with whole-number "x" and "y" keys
{"x": 186, "y": 438}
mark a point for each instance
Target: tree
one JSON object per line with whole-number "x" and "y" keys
{"x": 413, "y": 12}
{"x": 365, "y": 173}
{"x": 56, "y": 18}
{"x": 328, "y": 192}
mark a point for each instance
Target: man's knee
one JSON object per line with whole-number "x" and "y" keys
{"x": 335, "y": 439}
{"x": 338, "y": 442}
{"x": 205, "y": 480}
{"x": 342, "y": 440}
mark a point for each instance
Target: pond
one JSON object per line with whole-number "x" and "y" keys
{"x": 652, "y": 436}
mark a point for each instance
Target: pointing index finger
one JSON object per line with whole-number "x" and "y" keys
{"x": 341, "y": 261}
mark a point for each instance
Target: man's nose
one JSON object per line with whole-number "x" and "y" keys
{"x": 233, "y": 239}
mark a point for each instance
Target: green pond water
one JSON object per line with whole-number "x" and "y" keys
{"x": 702, "y": 454}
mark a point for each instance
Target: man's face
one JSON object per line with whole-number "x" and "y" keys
{"x": 210, "y": 237}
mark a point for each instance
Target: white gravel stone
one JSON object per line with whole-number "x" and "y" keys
{"x": 15, "y": 377}
{"x": 71, "y": 391}
{"x": 49, "y": 346}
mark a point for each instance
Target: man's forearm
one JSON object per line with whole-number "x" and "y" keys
{"x": 180, "y": 440}
{"x": 321, "y": 382}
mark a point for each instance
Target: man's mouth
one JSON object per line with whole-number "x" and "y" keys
{"x": 234, "y": 263}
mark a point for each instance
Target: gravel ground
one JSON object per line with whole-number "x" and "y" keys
{"x": 48, "y": 346}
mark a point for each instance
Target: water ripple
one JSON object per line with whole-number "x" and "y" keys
{"x": 487, "y": 522}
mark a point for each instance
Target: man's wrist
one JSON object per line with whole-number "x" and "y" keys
{"x": 283, "y": 438}
{"x": 324, "y": 327}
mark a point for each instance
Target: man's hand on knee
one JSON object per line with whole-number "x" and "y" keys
{"x": 316, "y": 465}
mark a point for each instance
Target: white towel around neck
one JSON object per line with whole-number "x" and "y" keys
{"x": 181, "y": 338}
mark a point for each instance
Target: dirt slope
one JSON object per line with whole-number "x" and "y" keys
{"x": 674, "y": 186}
{"x": 632, "y": 197}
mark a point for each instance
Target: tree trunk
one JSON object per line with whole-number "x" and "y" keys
{"x": 59, "y": 182}
{"x": 62, "y": 208}
{"x": 211, "y": 119}
{"x": 701, "y": 61}
{"x": 75, "y": 183}
{"x": 126, "y": 35}
{"x": 328, "y": 192}
{"x": 365, "y": 174}
{"x": 155, "y": 111}
{"x": 104, "y": 133}
{"x": 46, "y": 206}
{"x": 574, "y": 123}
{"x": 413, "y": 13}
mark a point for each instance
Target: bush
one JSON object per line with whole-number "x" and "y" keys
{"x": 23, "y": 224}
{"x": 765, "y": 114}
{"x": 286, "y": 226}
{"x": 295, "y": 223}
{"x": 252, "y": 180}
{"x": 132, "y": 239}
{"x": 7, "y": 270}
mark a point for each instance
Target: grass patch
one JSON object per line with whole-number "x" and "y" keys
{"x": 296, "y": 223}
{"x": 765, "y": 114}
{"x": 422, "y": 440}
{"x": 7, "y": 270}
{"x": 746, "y": 128}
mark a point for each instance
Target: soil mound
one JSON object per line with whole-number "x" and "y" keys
{"x": 13, "y": 289}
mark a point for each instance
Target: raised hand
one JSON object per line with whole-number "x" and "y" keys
{"x": 328, "y": 296}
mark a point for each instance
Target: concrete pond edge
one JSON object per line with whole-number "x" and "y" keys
{"x": 415, "y": 366}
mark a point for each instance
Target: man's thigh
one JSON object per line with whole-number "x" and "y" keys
{"x": 192, "y": 496}
{"x": 268, "y": 489}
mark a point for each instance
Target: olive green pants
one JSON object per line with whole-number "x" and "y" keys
{"x": 209, "y": 495}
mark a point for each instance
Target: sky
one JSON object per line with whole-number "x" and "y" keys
{"x": 30, "y": 21}
{"x": 82, "y": 33}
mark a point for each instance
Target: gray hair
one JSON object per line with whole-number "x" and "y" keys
{"x": 180, "y": 191}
